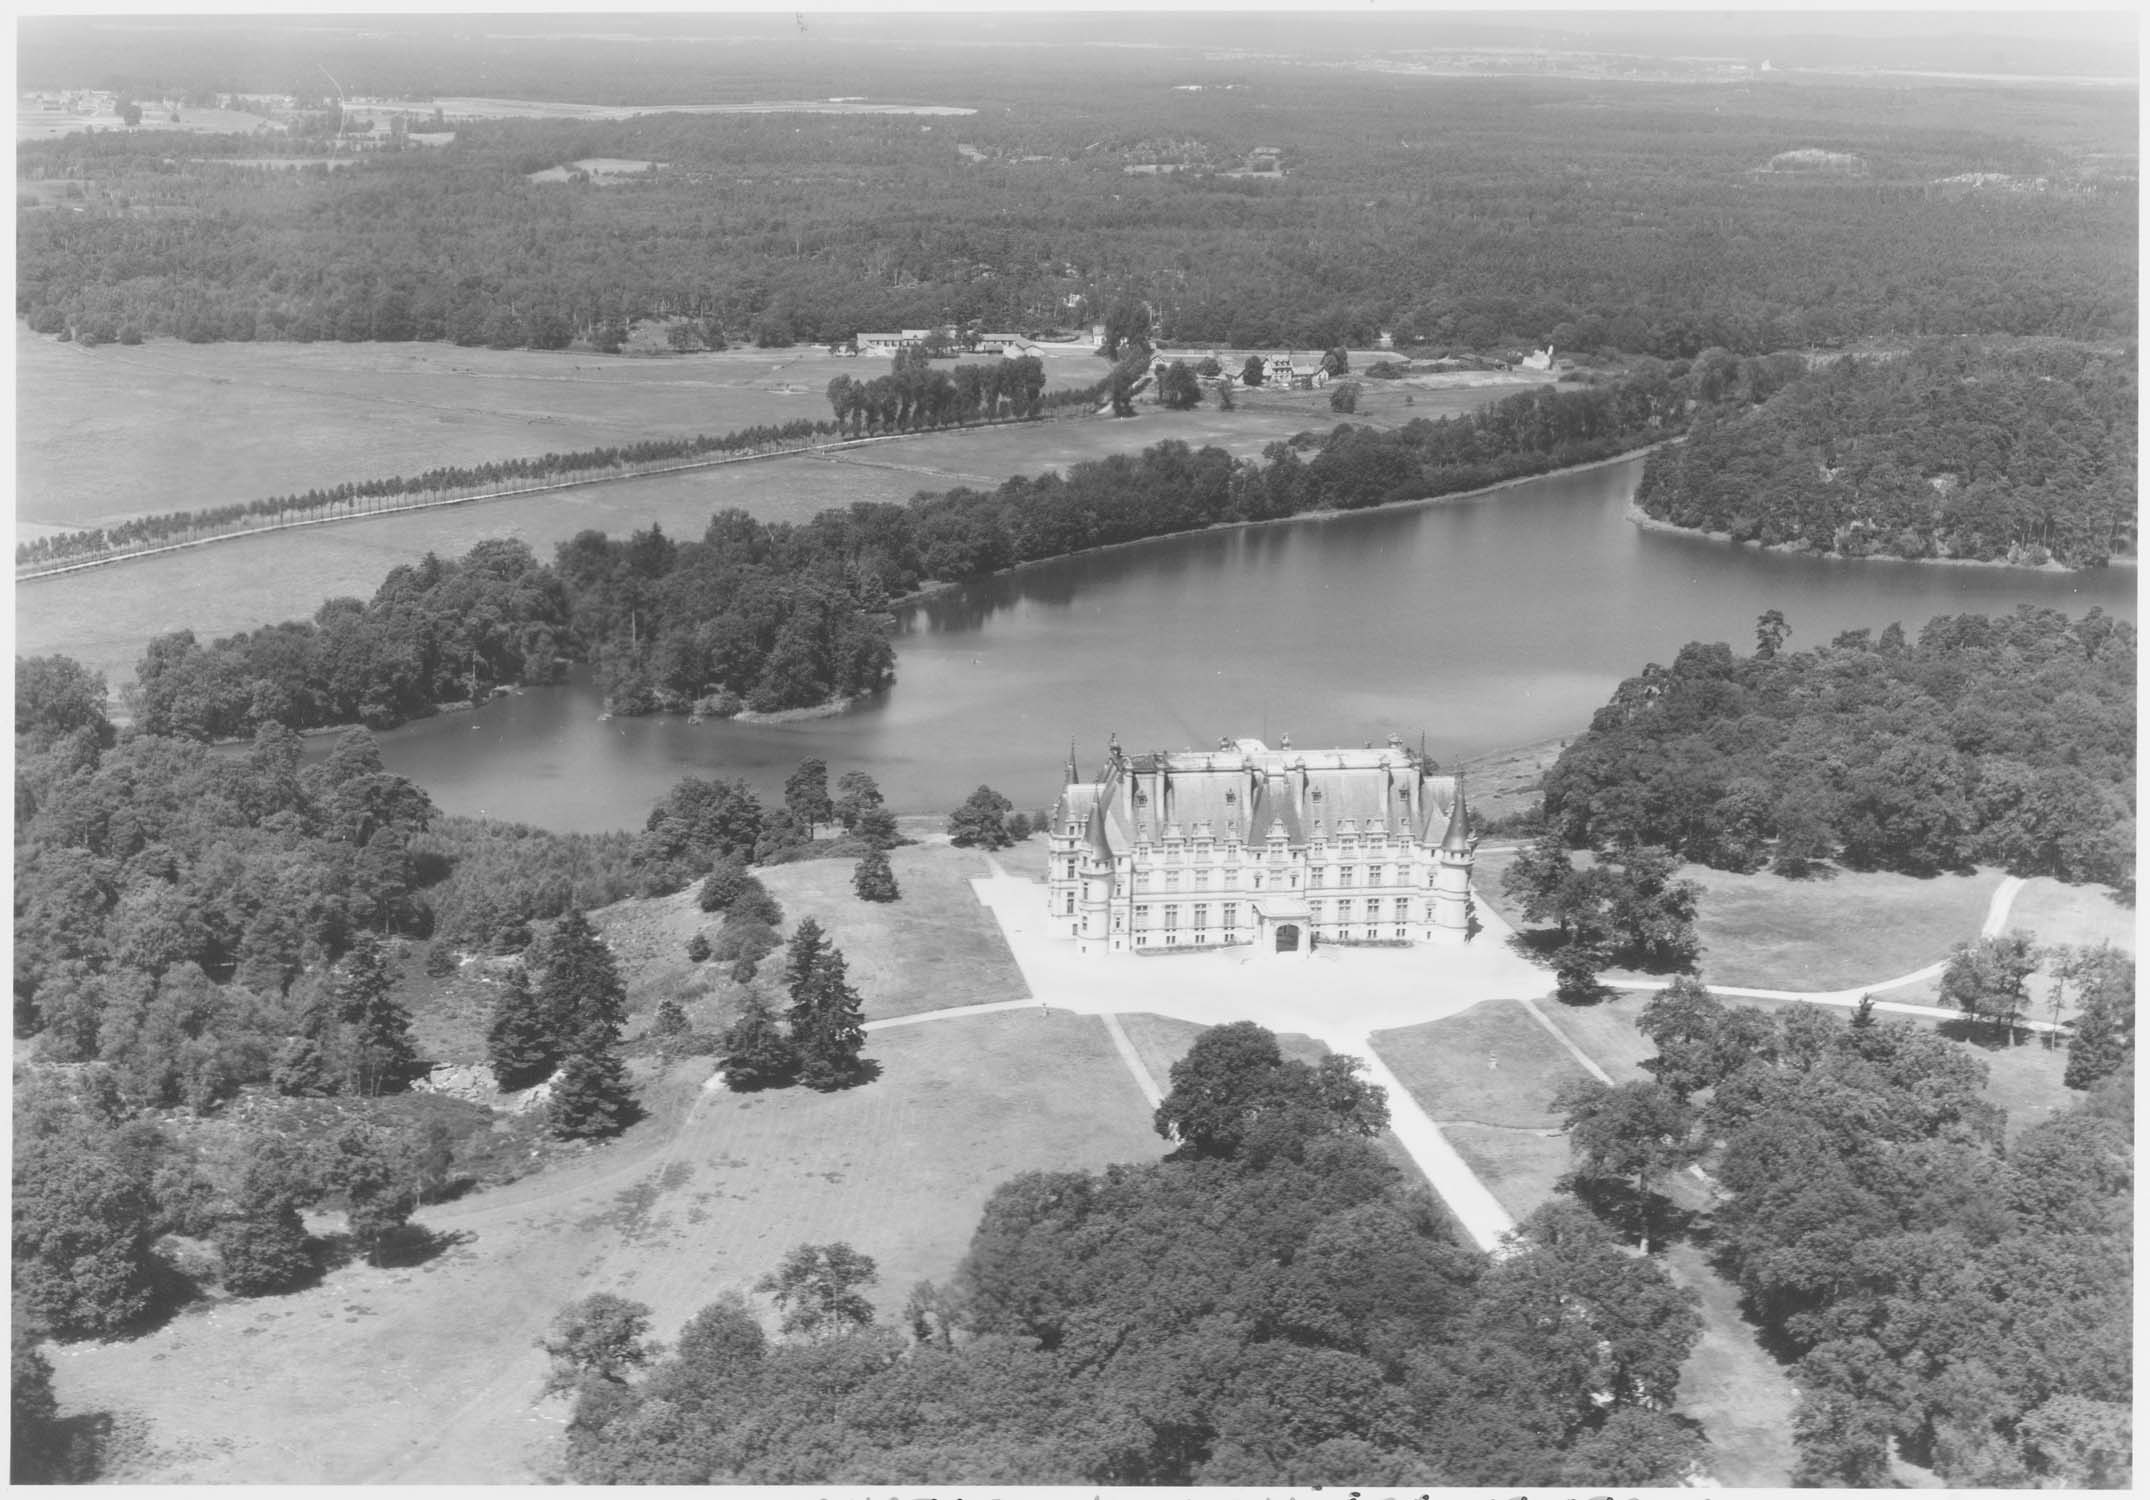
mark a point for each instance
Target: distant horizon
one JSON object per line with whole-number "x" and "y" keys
{"x": 2080, "y": 44}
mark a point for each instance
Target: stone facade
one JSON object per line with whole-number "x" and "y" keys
{"x": 1268, "y": 849}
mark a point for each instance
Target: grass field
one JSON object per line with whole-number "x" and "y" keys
{"x": 1520, "y": 1168}
{"x": 1605, "y": 1032}
{"x": 111, "y": 432}
{"x": 1489, "y": 1065}
{"x": 429, "y": 1374}
{"x": 2077, "y": 915}
{"x": 1766, "y": 932}
{"x": 1741, "y": 1396}
{"x": 103, "y": 617}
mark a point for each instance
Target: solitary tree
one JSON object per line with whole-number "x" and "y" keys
{"x": 1254, "y": 371}
{"x": 806, "y": 794}
{"x": 827, "y": 1016}
{"x": 601, "y": 1337}
{"x": 873, "y": 880}
{"x": 1235, "y": 1095}
{"x": 816, "y": 1287}
{"x": 1344, "y": 397}
{"x": 1770, "y": 633}
{"x": 981, "y": 821}
{"x": 366, "y": 1166}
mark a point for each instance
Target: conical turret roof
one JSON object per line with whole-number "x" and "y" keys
{"x": 1458, "y": 838}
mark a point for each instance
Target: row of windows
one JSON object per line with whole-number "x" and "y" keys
{"x": 1373, "y": 910}
{"x": 1372, "y": 934}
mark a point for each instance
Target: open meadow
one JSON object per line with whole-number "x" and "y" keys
{"x": 111, "y": 432}
{"x": 115, "y": 431}
{"x": 1851, "y": 928}
{"x": 430, "y": 1373}
{"x": 105, "y": 616}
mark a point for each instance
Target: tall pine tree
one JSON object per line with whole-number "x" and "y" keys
{"x": 377, "y": 1029}
{"x": 519, "y": 1041}
{"x": 827, "y": 1017}
{"x": 754, "y": 1052}
{"x": 584, "y": 1002}
{"x": 873, "y": 880}
{"x": 591, "y": 1097}
{"x": 581, "y": 986}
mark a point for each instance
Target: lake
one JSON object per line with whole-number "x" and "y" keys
{"x": 1472, "y": 624}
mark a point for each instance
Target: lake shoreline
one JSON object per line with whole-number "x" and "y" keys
{"x": 1643, "y": 520}
{"x": 933, "y": 590}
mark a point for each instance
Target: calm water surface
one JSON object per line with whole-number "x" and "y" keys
{"x": 1477, "y": 624}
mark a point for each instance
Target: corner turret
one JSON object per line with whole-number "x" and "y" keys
{"x": 1452, "y": 875}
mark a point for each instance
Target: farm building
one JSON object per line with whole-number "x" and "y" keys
{"x": 1293, "y": 372}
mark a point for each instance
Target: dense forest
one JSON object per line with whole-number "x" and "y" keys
{"x": 1645, "y": 219}
{"x": 720, "y": 622}
{"x": 776, "y": 616}
{"x": 1271, "y": 1303}
{"x": 1962, "y": 1294}
{"x": 178, "y": 909}
{"x": 2016, "y": 452}
{"x": 2006, "y": 740}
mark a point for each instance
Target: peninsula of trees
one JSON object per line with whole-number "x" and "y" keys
{"x": 2007, "y": 740}
{"x": 2019, "y": 452}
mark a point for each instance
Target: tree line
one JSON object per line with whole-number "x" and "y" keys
{"x": 1491, "y": 219}
{"x": 1270, "y": 1303}
{"x": 2006, "y": 740}
{"x": 1992, "y": 451}
{"x": 1954, "y": 1293}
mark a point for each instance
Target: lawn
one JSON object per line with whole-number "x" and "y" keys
{"x": 111, "y": 432}
{"x": 103, "y": 617}
{"x": 2078, "y": 915}
{"x": 1605, "y": 1032}
{"x": 1489, "y": 1065}
{"x": 934, "y": 948}
{"x": 429, "y": 1374}
{"x": 1771, "y": 933}
{"x": 1766, "y": 932}
{"x": 1741, "y": 1396}
{"x": 1520, "y": 1168}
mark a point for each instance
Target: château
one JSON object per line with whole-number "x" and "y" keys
{"x": 1269, "y": 849}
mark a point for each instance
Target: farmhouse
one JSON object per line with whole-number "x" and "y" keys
{"x": 889, "y": 343}
{"x": 1287, "y": 372}
{"x": 1267, "y": 849}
